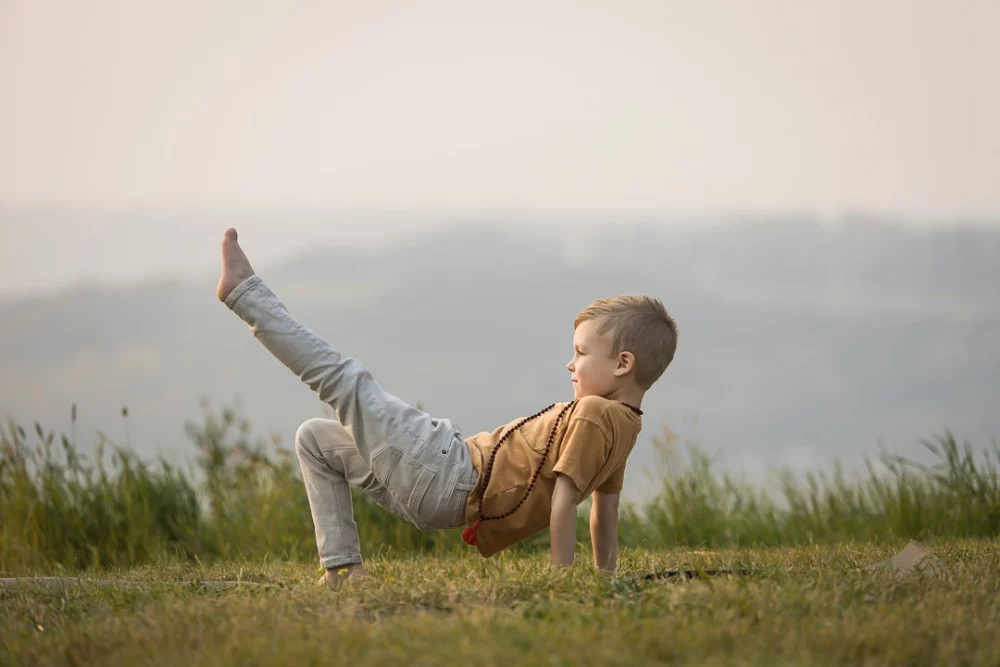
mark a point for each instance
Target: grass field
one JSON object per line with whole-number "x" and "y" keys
{"x": 808, "y": 605}
{"x": 239, "y": 512}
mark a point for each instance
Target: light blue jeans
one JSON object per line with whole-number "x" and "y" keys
{"x": 412, "y": 464}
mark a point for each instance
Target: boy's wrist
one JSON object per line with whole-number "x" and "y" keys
{"x": 563, "y": 548}
{"x": 605, "y": 544}
{"x": 558, "y": 564}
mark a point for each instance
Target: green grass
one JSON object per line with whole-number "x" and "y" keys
{"x": 810, "y": 605}
{"x": 239, "y": 511}
{"x": 61, "y": 507}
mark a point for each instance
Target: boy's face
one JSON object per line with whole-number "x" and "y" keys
{"x": 592, "y": 368}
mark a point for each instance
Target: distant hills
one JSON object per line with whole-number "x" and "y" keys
{"x": 798, "y": 343}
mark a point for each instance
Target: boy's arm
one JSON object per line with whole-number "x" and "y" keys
{"x": 604, "y": 530}
{"x": 562, "y": 521}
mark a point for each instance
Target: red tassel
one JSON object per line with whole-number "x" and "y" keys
{"x": 469, "y": 534}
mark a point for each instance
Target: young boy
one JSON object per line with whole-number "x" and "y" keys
{"x": 505, "y": 485}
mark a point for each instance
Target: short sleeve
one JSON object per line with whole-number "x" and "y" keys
{"x": 583, "y": 453}
{"x": 614, "y": 483}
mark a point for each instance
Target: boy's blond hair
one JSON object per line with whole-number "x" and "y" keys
{"x": 642, "y": 326}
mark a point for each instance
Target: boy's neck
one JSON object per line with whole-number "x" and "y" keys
{"x": 630, "y": 395}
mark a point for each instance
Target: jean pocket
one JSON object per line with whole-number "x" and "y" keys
{"x": 407, "y": 480}
{"x": 463, "y": 485}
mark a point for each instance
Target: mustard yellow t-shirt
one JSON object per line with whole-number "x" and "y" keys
{"x": 591, "y": 445}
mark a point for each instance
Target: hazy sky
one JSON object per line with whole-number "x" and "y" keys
{"x": 439, "y": 108}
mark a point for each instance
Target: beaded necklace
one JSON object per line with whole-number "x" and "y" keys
{"x": 469, "y": 534}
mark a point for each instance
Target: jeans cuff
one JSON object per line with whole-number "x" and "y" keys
{"x": 341, "y": 560}
{"x": 241, "y": 289}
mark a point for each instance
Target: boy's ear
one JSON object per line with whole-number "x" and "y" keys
{"x": 626, "y": 363}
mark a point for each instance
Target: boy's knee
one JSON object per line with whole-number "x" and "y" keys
{"x": 316, "y": 434}
{"x": 305, "y": 436}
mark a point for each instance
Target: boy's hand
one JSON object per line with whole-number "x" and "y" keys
{"x": 562, "y": 521}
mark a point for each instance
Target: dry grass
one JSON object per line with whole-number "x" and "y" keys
{"x": 809, "y": 605}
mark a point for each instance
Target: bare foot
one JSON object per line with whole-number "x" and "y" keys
{"x": 336, "y": 576}
{"x": 235, "y": 265}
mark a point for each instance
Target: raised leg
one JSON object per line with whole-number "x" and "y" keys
{"x": 421, "y": 460}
